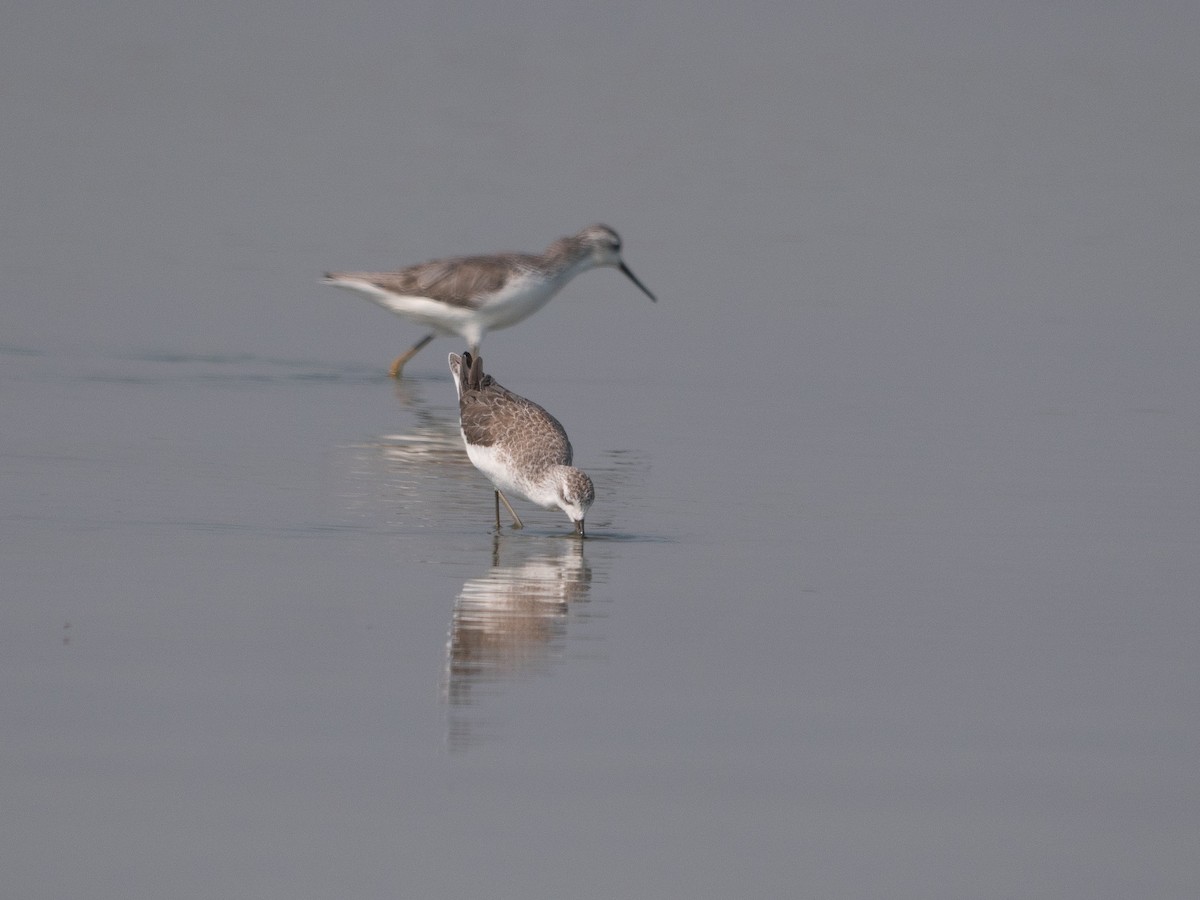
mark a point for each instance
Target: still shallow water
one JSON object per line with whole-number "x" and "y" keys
{"x": 259, "y": 630}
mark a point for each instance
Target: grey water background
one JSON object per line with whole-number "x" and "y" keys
{"x": 893, "y": 577}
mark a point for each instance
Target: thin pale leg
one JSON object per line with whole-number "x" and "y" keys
{"x": 408, "y": 354}
{"x": 517, "y": 523}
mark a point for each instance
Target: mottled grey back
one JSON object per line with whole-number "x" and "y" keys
{"x": 490, "y": 414}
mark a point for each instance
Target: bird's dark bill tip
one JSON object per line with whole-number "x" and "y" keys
{"x": 628, "y": 272}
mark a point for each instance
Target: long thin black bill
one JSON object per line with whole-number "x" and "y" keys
{"x": 629, "y": 274}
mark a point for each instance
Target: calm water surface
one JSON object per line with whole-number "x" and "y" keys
{"x": 258, "y": 628}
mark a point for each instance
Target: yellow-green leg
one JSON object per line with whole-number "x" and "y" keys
{"x": 408, "y": 354}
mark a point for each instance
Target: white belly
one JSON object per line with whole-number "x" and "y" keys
{"x": 497, "y": 466}
{"x": 521, "y": 298}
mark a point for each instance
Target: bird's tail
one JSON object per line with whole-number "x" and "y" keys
{"x": 476, "y": 378}
{"x": 468, "y": 372}
{"x": 473, "y": 371}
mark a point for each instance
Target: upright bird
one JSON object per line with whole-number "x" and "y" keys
{"x": 518, "y": 445}
{"x": 472, "y": 295}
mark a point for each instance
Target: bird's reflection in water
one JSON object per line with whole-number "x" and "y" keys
{"x": 411, "y": 477}
{"x": 510, "y": 622}
{"x": 431, "y": 437}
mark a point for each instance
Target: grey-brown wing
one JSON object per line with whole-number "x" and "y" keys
{"x": 459, "y": 282}
{"x": 497, "y": 414}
